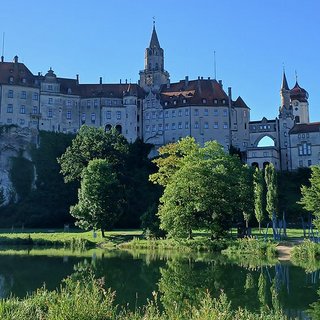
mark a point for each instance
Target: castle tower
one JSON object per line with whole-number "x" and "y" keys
{"x": 299, "y": 100}
{"x": 153, "y": 75}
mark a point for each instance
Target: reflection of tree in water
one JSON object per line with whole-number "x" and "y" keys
{"x": 184, "y": 282}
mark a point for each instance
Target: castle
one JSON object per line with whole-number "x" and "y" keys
{"x": 158, "y": 111}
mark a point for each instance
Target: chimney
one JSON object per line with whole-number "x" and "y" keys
{"x": 221, "y": 85}
{"x": 120, "y": 81}
{"x": 126, "y": 81}
{"x": 15, "y": 59}
{"x": 39, "y": 74}
{"x": 2, "y": 58}
{"x": 201, "y": 78}
{"x": 77, "y": 76}
{"x": 230, "y": 93}
{"x": 186, "y": 81}
{"x": 208, "y": 78}
{"x": 100, "y": 81}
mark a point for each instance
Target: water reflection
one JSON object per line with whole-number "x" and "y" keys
{"x": 181, "y": 279}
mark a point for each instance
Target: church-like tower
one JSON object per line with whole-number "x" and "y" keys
{"x": 153, "y": 75}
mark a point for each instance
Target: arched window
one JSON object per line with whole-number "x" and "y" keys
{"x": 119, "y": 128}
{"x": 297, "y": 119}
{"x": 265, "y": 164}
{"x": 255, "y": 164}
{"x": 108, "y": 127}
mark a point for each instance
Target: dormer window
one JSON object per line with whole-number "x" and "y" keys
{"x": 184, "y": 100}
{"x": 11, "y": 79}
{"x": 69, "y": 90}
{"x": 175, "y": 102}
{"x": 204, "y": 100}
{"x": 166, "y": 103}
{"x": 223, "y": 101}
{"x": 23, "y": 80}
{"x": 215, "y": 101}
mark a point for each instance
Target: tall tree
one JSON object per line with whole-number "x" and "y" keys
{"x": 311, "y": 195}
{"x": 202, "y": 189}
{"x": 92, "y": 143}
{"x": 272, "y": 192}
{"x": 100, "y": 195}
{"x": 258, "y": 183}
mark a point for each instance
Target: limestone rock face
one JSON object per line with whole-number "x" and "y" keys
{"x": 14, "y": 142}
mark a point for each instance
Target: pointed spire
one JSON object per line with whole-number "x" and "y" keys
{"x": 154, "y": 42}
{"x": 284, "y": 82}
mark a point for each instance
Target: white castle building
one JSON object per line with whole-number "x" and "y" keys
{"x": 160, "y": 112}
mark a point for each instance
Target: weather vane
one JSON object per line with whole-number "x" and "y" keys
{"x": 154, "y": 20}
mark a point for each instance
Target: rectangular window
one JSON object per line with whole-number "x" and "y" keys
{"x": 173, "y": 126}
{"x": 50, "y": 101}
{"x": 93, "y": 117}
{"x": 35, "y": 110}
{"x": 167, "y": 126}
{"x": 9, "y": 121}
{"x": 300, "y": 163}
{"x": 83, "y": 118}
{"x": 206, "y": 125}
{"x": 69, "y": 115}
{"x": 215, "y": 112}
{"x": 196, "y": 112}
{"x": 50, "y": 113}
{"x": 50, "y": 87}
{"x": 35, "y": 96}
{"x": 88, "y": 104}
{"x": 186, "y": 125}
{"x": 266, "y": 154}
{"x": 147, "y": 128}
{"x": 166, "y": 114}
{"x": 186, "y": 112}
{"x": 153, "y": 128}
{"x": 196, "y": 125}
{"x": 160, "y": 114}
{"x": 118, "y": 115}
{"x": 180, "y": 125}
{"x": 308, "y": 149}
{"x": 21, "y": 122}
{"x": 68, "y": 103}
{"x": 9, "y": 108}
{"x": 23, "y": 109}
{"x": 160, "y": 127}
{"x": 23, "y": 95}
{"x": 147, "y": 115}
{"x": 179, "y": 113}
{"x": 108, "y": 115}
{"x": 10, "y": 94}
{"x": 153, "y": 115}
{"x": 215, "y": 125}
{"x": 225, "y": 112}
{"x": 206, "y": 112}
{"x": 173, "y": 113}
{"x": 225, "y": 125}
{"x": 300, "y": 150}
{"x": 95, "y": 103}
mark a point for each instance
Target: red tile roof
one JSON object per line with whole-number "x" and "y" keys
{"x": 305, "y": 127}
{"x": 20, "y": 73}
{"x": 195, "y": 92}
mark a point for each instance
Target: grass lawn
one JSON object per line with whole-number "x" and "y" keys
{"x": 61, "y": 238}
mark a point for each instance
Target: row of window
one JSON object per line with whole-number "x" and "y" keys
{"x": 262, "y": 127}
{"x": 204, "y": 101}
{"x": 179, "y": 113}
{"x": 186, "y": 126}
{"x": 303, "y": 135}
{"x": 22, "y": 122}
{"x": 22, "y": 109}
{"x": 23, "y": 95}
{"x": 301, "y": 163}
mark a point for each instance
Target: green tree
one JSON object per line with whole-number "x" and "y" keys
{"x": 311, "y": 195}
{"x": 99, "y": 196}
{"x": 258, "y": 187}
{"x": 92, "y": 143}
{"x": 202, "y": 189}
{"x": 272, "y": 192}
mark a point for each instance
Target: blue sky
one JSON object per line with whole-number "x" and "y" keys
{"x": 253, "y": 39}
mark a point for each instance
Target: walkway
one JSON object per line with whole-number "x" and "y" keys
{"x": 284, "y": 249}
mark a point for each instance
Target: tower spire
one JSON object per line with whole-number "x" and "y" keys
{"x": 284, "y": 81}
{"x": 154, "y": 42}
